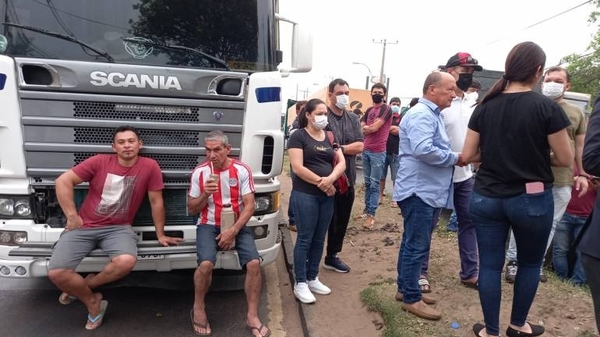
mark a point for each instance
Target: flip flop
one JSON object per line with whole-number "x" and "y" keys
{"x": 252, "y": 328}
{"x": 424, "y": 285}
{"x": 195, "y": 324}
{"x": 472, "y": 285}
{"x": 98, "y": 319}
{"x": 66, "y": 299}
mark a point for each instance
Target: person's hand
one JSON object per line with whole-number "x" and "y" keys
{"x": 461, "y": 161}
{"x": 325, "y": 183}
{"x": 169, "y": 241}
{"x": 331, "y": 191}
{"x": 211, "y": 187}
{"x": 74, "y": 222}
{"x": 593, "y": 182}
{"x": 226, "y": 238}
{"x": 581, "y": 185}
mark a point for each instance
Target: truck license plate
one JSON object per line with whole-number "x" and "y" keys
{"x": 151, "y": 257}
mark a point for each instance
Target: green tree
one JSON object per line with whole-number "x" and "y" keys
{"x": 585, "y": 68}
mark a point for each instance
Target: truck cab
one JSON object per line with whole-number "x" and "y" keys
{"x": 71, "y": 72}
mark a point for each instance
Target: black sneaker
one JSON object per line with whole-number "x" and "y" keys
{"x": 511, "y": 271}
{"x": 336, "y": 264}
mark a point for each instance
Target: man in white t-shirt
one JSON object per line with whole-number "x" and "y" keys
{"x": 456, "y": 119}
{"x": 207, "y": 198}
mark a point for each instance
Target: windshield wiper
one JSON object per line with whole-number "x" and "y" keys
{"x": 63, "y": 37}
{"x": 175, "y": 47}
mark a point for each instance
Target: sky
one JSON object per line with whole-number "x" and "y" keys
{"x": 424, "y": 34}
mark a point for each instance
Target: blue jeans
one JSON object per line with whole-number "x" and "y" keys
{"x": 312, "y": 224}
{"x": 566, "y": 231}
{"x": 467, "y": 237}
{"x": 291, "y": 219}
{"x": 414, "y": 249}
{"x": 530, "y": 218}
{"x": 373, "y": 171}
{"x": 391, "y": 160}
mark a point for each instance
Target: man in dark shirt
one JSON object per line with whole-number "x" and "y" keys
{"x": 393, "y": 142}
{"x": 347, "y": 131}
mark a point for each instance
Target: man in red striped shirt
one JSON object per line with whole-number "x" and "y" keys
{"x": 217, "y": 182}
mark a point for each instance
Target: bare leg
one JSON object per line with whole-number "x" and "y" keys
{"x": 381, "y": 190}
{"x": 119, "y": 267}
{"x": 202, "y": 281}
{"x": 252, "y": 287}
{"x": 72, "y": 283}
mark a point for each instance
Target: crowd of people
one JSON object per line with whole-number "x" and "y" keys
{"x": 512, "y": 162}
{"x": 510, "y": 167}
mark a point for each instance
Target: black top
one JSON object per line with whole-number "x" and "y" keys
{"x": 346, "y": 129}
{"x": 317, "y": 156}
{"x": 591, "y": 164}
{"x": 393, "y": 141}
{"x": 513, "y": 138}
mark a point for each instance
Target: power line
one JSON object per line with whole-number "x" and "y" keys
{"x": 542, "y": 21}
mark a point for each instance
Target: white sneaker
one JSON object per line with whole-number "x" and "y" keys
{"x": 318, "y": 288}
{"x": 302, "y": 292}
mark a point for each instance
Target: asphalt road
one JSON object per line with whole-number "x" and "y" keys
{"x": 30, "y": 308}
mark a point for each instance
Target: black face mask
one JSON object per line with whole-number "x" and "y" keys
{"x": 377, "y": 98}
{"x": 464, "y": 81}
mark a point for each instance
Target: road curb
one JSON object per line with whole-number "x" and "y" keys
{"x": 288, "y": 252}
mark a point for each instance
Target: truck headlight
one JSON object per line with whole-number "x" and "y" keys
{"x": 266, "y": 203}
{"x": 16, "y": 206}
{"x": 7, "y": 206}
{"x": 23, "y": 207}
{"x": 13, "y": 238}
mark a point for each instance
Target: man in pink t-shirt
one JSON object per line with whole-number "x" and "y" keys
{"x": 117, "y": 186}
{"x": 376, "y": 124}
{"x": 208, "y": 196}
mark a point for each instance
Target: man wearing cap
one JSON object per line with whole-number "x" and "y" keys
{"x": 456, "y": 119}
{"x": 391, "y": 156}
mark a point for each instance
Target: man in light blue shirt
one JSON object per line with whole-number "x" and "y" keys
{"x": 423, "y": 185}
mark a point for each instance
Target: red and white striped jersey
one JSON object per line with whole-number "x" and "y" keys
{"x": 235, "y": 182}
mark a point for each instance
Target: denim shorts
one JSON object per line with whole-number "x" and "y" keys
{"x": 74, "y": 245}
{"x": 206, "y": 244}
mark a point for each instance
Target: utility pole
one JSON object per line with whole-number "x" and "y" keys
{"x": 385, "y": 43}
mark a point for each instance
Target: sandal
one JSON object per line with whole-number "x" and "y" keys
{"x": 259, "y": 329}
{"x": 425, "y": 286}
{"x": 66, "y": 299}
{"x": 368, "y": 225}
{"x": 471, "y": 284}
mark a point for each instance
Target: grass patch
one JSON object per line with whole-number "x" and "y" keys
{"x": 379, "y": 297}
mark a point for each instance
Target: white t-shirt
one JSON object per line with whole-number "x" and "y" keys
{"x": 456, "y": 120}
{"x": 235, "y": 182}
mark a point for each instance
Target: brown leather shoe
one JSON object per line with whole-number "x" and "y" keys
{"x": 420, "y": 309}
{"x": 427, "y": 300}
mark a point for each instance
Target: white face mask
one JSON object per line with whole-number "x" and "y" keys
{"x": 395, "y": 108}
{"x": 320, "y": 122}
{"x": 552, "y": 89}
{"x": 342, "y": 101}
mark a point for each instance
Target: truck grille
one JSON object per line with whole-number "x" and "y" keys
{"x": 150, "y": 137}
{"x": 135, "y": 112}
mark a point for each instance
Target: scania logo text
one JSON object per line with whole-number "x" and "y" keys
{"x": 119, "y": 80}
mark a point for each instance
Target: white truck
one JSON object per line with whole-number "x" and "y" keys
{"x": 73, "y": 71}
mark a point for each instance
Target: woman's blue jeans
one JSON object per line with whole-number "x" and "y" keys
{"x": 530, "y": 218}
{"x": 312, "y": 214}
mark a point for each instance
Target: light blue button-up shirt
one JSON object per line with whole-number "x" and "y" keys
{"x": 425, "y": 157}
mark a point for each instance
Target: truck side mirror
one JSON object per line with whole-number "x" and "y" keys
{"x": 302, "y": 50}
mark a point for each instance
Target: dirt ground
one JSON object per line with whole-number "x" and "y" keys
{"x": 563, "y": 309}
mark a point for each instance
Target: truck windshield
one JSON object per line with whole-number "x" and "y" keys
{"x": 214, "y": 34}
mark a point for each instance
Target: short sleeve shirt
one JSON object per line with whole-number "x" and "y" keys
{"x": 235, "y": 181}
{"x": 115, "y": 191}
{"x": 563, "y": 176}
{"x": 346, "y": 129}
{"x": 377, "y": 141}
{"x": 317, "y": 156}
{"x": 513, "y": 139}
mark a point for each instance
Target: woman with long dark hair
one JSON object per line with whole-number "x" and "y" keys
{"x": 516, "y": 134}
{"x": 311, "y": 156}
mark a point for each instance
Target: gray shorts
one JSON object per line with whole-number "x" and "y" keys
{"x": 74, "y": 245}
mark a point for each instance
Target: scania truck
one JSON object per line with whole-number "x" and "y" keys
{"x": 73, "y": 71}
